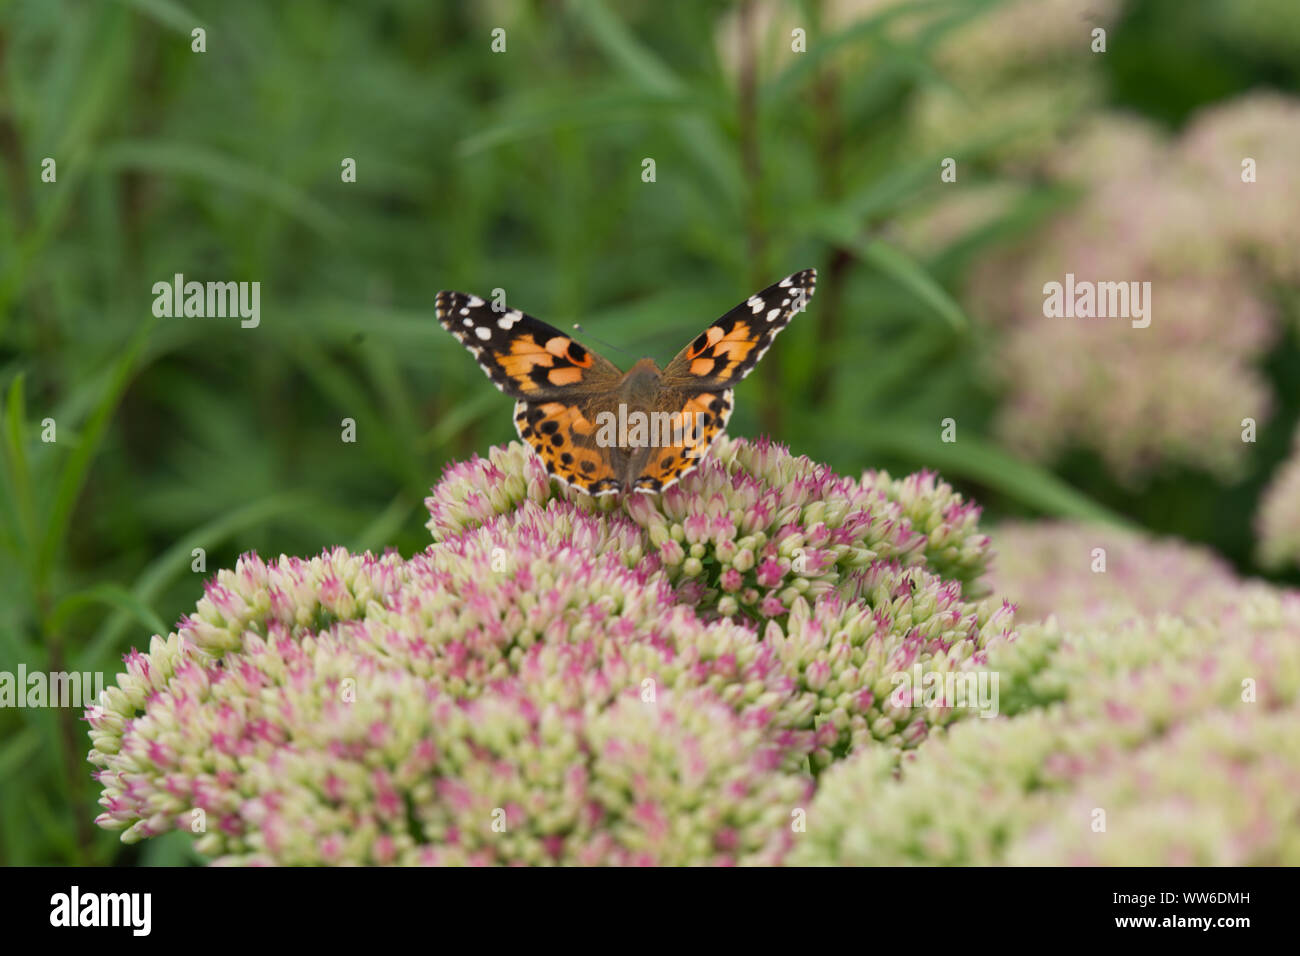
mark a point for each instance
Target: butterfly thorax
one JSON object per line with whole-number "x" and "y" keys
{"x": 639, "y": 393}
{"x": 640, "y": 384}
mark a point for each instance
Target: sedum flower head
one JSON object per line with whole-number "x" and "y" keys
{"x": 1263, "y": 128}
{"x": 557, "y": 679}
{"x": 847, "y": 649}
{"x": 520, "y": 695}
{"x": 1125, "y": 720}
{"x": 753, "y": 527}
{"x": 1152, "y": 213}
{"x": 1024, "y": 68}
{"x": 1095, "y": 574}
{"x": 554, "y": 682}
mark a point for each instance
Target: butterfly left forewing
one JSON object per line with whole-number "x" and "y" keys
{"x": 697, "y": 384}
{"x": 724, "y": 353}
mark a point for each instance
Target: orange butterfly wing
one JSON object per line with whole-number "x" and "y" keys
{"x": 728, "y": 350}
{"x": 698, "y": 382}
{"x": 553, "y": 379}
{"x": 564, "y": 437}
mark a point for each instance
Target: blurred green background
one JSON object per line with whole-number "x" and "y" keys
{"x": 520, "y": 170}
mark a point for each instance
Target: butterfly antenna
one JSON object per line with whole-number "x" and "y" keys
{"x": 601, "y": 341}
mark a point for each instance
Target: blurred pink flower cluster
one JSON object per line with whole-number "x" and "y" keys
{"x": 1179, "y": 215}
{"x": 1148, "y": 721}
{"x": 1017, "y": 77}
{"x": 1277, "y": 523}
{"x": 1094, "y": 574}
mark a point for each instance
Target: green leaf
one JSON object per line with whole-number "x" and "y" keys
{"x": 341, "y": 385}
{"x": 385, "y": 526}
{"x": 172, "y": 562}
{"x": 59, "y": 833}
{"x": 904, "y": 270}
{"x": 873, "y": 28}
{"x": 169, "y": 13}
{"x": 979, "y": 461}
{"x": 73, "y": 476}
{"x": 17, "y": 750}
{"x": 19, "y": 476}
{"x": 884, "y": 370}
{"x": 112, "y": 595}
{"x": 572, "y": 112}
{"x": 188, "y": 160}
{"x": 698, "y": 137}
{"x": 619, "y": 43}
{"x": 169, "y": 849}
{"x": 459, "y": 418}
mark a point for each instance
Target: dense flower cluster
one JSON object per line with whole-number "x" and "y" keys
{"x": 1258, "y": 216}
{"x": 847, "y": 650}
{"x": 1018, "y": 77}
{"x": 546, "y": 684}
{"x": 753, "y": 527}
{"x": 1094, "y": 574}
{"x": 1157, "y": 740}
{"x": 556, "y": 679}
{"x": 521, "y": 676}
{"x": 1179, "y": 216}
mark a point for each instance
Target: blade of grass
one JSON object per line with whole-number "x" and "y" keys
{"x": 168, "y": 13}
{"x": 574, "y": 112}
{"x": 72, "y": 478}
{"x": 112, "y": 595}
{"x": 979, "y": 461}
{"x": 172, "y": 562}
{"x": 461, "y": 417}
{"x": 386, "y": 524}
{"x": 187, "y": 160}
{"x": 18, "y": 474}
{"x": 17, "y": 750}
{"x": 794, "y": 78}
{"x": 904, "y": 270}
{"x": 698, "y": 136}
{"x": 56, "y": 832}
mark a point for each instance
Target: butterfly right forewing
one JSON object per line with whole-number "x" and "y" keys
{"x": 557, "y": 385}
{"x": 523, "y": 356}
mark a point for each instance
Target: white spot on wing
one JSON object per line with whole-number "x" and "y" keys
{"x": 483, "y": 332}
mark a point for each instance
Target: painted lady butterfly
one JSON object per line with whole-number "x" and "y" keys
{"x": 605, "y": 431}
